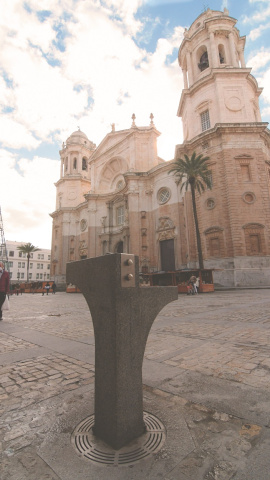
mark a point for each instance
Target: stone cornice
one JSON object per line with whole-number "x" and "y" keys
{"x": 223, "y": 128}
{"x": 72, "y": 178}
{"x": 215, "y": 72}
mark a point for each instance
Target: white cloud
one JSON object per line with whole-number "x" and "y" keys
{"x": 101, "y": 76}
{"x": 257, "y": 32}
{"x": 258, "y": 16}
{"x": 27, "y": 197}
{"x": 260, "y": 64}
{"x": 259, "y": 60}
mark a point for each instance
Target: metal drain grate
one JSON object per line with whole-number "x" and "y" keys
{"x": 91, "y": 448}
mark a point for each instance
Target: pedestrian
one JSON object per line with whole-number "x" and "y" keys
{"x": 196, "y": 285}
{"x": 46, "y": 288}
{"x": 4, "y": 286}
{"x": 191, "y": 284}
{"x": 54, "y": 288}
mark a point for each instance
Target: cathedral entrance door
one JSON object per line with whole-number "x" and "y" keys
{"x": 167, "y": 255}
{"x": 119, "y": 247}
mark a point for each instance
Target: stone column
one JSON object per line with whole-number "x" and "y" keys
{"x": 232, "y": 50}
{"x": 242, "y": 58}
{"x": 189, "y": 69}
{"x": 122, "y": 314}
{"x": 185, "y": 78}
{"x": 214, "y": 57}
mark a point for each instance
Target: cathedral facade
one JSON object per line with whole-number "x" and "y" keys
{"x": 120, "y": 197}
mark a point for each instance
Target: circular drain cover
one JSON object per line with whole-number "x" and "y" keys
{"x": 90, "y": 447}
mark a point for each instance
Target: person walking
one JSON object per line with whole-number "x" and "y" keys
{"x": 196, "y": 285}
{"x": 54, "y": 288}
{"x": 4, "y": 286}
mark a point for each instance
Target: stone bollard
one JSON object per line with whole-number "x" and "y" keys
{"x": 122, "y": 314}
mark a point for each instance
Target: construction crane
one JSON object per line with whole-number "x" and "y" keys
{"x": 3, "y": 246}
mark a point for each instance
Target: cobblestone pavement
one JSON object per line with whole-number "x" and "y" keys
{"x": 207, "y": 359}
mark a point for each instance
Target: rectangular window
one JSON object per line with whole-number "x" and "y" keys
{"x": 210, "y": 176}
{"x": 19, "y": 264}
{"x": 37, "y": 276}
{"x": 23, "y": 264}
{"x": 31, "y": 265}
{"x": 48, "y": 276}
{"x": 10, "y": 264}
{"x": 120, "y": 215}
{"x": 49, "y": 257}
{"x": 20, "y": 254}
{"x": 40, "y": 276}
{"x": 11, "y": 253}
{"x": 255, "y": 244}
{"x": 41, "y": 266}
{"x": 214, "y": 247}
{"x": 18, "y": 275}
{"x": 205, "y": 120}
{"x": 245, "y": 172}
{"x": 42, "y": 256}
{"x": 31, "y": 255}
{"x": 10, "y": 275}
{"x": 30, "y": 276}
{"x": 48, "y": 267}
{"x": 22, "y": 275}
{"x": 38, "y": 265}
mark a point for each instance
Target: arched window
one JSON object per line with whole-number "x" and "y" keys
{"x": 204, "y": 62}
{"x": 84, "y": 164}
{"x": 221, "y": 54}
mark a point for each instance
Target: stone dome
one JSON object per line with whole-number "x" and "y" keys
{"x": 80, "y": 138}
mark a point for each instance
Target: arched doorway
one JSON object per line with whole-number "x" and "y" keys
{"x": 167, "y": 255}
{"x": 119, "y": 248}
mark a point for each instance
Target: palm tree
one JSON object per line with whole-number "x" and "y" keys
{"x": 194, "y": 172}
{"x": 27, "y": 248}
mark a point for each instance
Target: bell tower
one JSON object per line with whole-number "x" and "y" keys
{"x": 218, "y": 88}
{"x": 75, "y": 170}
{"x": 71, "y": 188}
{"x": 221, "y": 119}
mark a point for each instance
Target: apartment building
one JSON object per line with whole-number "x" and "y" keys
{"x": 39, "y": 265}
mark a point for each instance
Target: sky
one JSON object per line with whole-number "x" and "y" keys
{"x": 66, "y": 64}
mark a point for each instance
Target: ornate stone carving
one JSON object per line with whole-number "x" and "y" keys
{"x": 83, "y": 225}
{"x": 165, "y": 223}
{"x": 83, "y": 248}
{"x": 166, "y": 229}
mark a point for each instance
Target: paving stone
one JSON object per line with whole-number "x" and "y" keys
{"x": 223, "y": 337}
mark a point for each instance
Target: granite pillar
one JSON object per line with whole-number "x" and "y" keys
{"x": 122, "y": 314}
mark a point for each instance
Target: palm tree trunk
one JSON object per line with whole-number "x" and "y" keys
{"x": 28, "y": 260}
{"x": 198, "y": 236}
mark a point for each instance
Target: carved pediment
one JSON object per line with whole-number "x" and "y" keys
{"x": 165, "y": 223}
{"x": 166, "y": 229}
